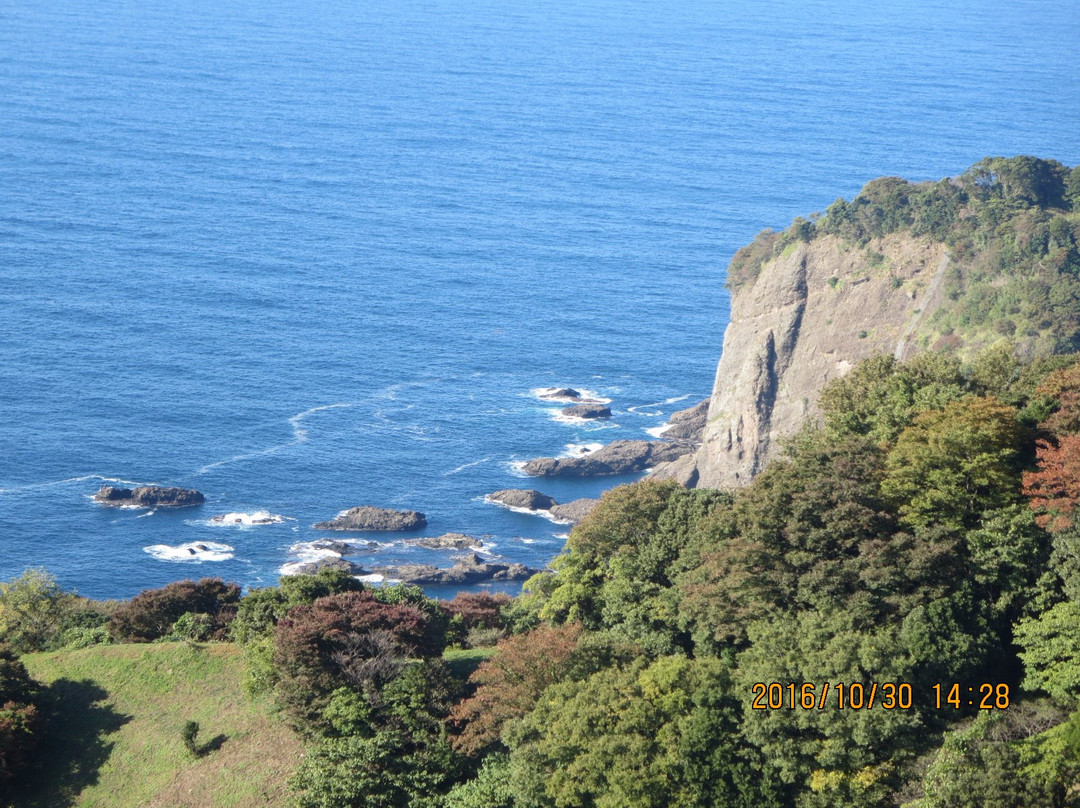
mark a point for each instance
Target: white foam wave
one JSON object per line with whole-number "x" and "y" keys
{"x": 307, "y": 553}
{"x": 376, "y": 578}
{"x": 517, "y": 468}
{"x": 657, "y": 431}
{"x": 590, "y": 424}
{"x": 580, "y": 449}
{"x": 300, "y": 435}
{"x": 52, "y": 483}
{"x": 240, "y": 519}
{"x": 314, "y": 550}
{"x": 528, "y": 512}
{"x": 192, "y": 551}
{"x": 638, "y": 407}
{"x": 148, "y": 513}
{"x": 562, "y": 536}
{"x": 467, "y": 466}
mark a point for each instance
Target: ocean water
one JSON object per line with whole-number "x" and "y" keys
{"x": 305, "y": 256}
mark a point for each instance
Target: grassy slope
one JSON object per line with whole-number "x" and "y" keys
{"x": 118, "y": 742}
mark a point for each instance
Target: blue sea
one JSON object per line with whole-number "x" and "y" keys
{"x": 304, "y": 256}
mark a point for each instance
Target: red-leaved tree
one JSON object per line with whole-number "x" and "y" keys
{"x": 509, "y": 684}
{"x": 346, "y": 640}
{"x": 1055, "y": 488}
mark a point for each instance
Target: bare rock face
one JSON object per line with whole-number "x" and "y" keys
{"x": 618, "y": 457}
{"x": 574, "y": 512}
{"x": 808, "y": 317}
{"x": 528, "y": 498}
{"x": 149, "y": 496}
{"x": 366, "y": 517}
{"x": 688, "y": 424}
{"x": 589, "y": 411}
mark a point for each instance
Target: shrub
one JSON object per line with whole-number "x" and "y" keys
{"x": 84, "y": 637}
{"x": 476, "y": 618}
{"x": 152, "y": 613}
{"x": 188, "y": 734}
{"x": 192, "y": 626}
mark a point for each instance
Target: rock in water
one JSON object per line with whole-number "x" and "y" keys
{"x": 528, "y": 498}
{"x": 448, "y": 541}
{"x": 562, "y": 392}
{"x": 467, "y": 569}
{"x": 314, "y": 567}
{"x": 587, "y": 411}
{"x": 532, "y": 500}
{"x": 366, "y": 517}
{"x": 149, "y": 496}
{"x": 618, "y": 457}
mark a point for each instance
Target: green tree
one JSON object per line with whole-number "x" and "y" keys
{"x": 626, "y": 516}
{"x": 832, "y": 750}
{"x": 990, "y": 764}
{"x": 20, "y": 720}
{"x": 880, "y": 396}
{"x": 33, "y": 608}
{"x": 653, "y": 735}
{"x": 1051, "y": 651}
{"x": 491, "y": 788}
{"x": 954, "y": 464}
{"x": 391, "y": 769}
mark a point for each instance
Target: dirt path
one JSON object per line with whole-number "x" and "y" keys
{"x": 927, "y": 302}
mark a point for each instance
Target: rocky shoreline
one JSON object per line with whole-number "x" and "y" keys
{"x": 680, "y": 439}
{"x": 467, "y": 569}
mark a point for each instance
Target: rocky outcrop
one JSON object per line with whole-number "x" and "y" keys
{"x": 467, "y": 569}
{"x": 149, "y": 496}
{"x": 573, "y": 512}
{"x": 329, "y": 563}
{"x": 587, "y": 411}
{"x": 528, "y": 498}
{"x": 447, "y": 541}
{"x": 618, "y": 457}
{"x": 688, "y": 424}
{"x": 342, "y": 547}
{"x": 562, "y": 394}
{"x": 532, "y": 500}
{"x": 366, "y": 517}
{"x": 809, "y": 316}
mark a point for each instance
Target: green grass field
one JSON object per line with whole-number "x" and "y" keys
{"x": 115, "y": 736}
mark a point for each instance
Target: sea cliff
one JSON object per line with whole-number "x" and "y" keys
{"x": 956, "y": 266}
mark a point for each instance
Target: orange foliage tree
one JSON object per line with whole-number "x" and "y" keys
{"x": 1055, "y": 488}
